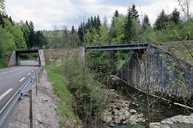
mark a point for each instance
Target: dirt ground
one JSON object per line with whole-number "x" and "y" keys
{"x": 44, "y": 108}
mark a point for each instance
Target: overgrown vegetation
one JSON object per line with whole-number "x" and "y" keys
{"x": 76, "y": 88}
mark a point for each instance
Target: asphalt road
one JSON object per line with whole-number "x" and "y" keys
{"x": 11, "y": 80}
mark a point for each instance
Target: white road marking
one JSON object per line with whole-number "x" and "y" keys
{"x": 29, "y": 74}
{"x": 22, "y": 79}
{"x": 6, "y": 93}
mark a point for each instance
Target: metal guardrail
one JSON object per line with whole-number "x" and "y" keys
{"x": 26, "y": 87}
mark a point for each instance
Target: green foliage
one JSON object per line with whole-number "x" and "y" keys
{"x": 62, "y": 38}
{"x": 17, "y": 33}
{"x": 132, "y": 26}
{"x": 175, "y": 16}
{"x": 6, "y": 43}
{"x": 117, "y": 29}
{"x": 92, "y": 30}
{"x": 90, "y": 98}
{"x": 162, "y": 21}
{"x": 146, "y": 24}
{"x": 103, "y": 33}
{"x": 2, "y": 63}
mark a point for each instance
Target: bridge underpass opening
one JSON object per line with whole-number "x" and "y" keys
{"x": 28, "y": 58}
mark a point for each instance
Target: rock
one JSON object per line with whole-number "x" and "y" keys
{"x": 175, "y": 122}
{"x": 155, "y": 125}
{"x": 178, "y": 122}
{"x": 127, "y": 114}
{"x": 140, "y": 116}
{"x": 117, "y": 120}
{"x": 43, "y": 100}
{"x": 133, "y": 105}
{"x": 133, "y": 119}
{"x": 107, "y": 117}
{"x": 133, "y": 111}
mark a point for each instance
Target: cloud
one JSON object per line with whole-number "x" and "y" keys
{"x": 48, "y": 13}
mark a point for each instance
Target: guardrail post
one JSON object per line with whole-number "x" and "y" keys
{"x": 36, "y": 75}
{"x": 31, "y": 109}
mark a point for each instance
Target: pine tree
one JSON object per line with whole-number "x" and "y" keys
{"x": 162, "y": 21}
{"x": 73, "y": 30}
{"x": 98, "y": 22}
{"x": 131, "y": 24}
{"x": 175, "y": 16}
{"x": 133, "y": 13}
{"x": 145, "y": 23}
{"x": 116, "y": 13}
{"x": 81, "y": 32}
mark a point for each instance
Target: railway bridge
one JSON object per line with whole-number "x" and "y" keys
{"x": 152, "y": 70}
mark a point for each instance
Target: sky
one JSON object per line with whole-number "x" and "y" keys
{"x": 52, "y": 14}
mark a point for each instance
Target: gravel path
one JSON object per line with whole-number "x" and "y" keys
{"x": 44, "y": 107}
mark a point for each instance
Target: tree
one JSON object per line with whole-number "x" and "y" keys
{"x": 73, "y": 30}
{"x": 81, "y": 32}
{"x": 40, "y": 40}
{"x": 133, "y": 13}
{"x": 104, "y": 33}
{"x": 98, "y": 22}
{"x": 145, "y": 23}
{"x": 131, "y": 25}
{"x": 116, "y": 33}
{"x": 7, "y": 44}
{"x": 175, "y": 16}
{"x": 162, "y": 21}
{"x": 116, "y": 13}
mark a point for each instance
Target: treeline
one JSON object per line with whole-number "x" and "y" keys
{"x": 123, "y": 29}
{"x": 62, "y": 38}
{"x": 128, "y": 28}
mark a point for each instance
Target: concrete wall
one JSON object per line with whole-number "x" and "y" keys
{"x": 12, "y": 60}
{"x": 41, "y": 57}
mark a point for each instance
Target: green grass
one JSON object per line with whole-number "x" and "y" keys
{"x": 2, "y": 63}
{"x": 64, "y": 105}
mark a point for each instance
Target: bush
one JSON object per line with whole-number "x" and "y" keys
{"x": 89, "y": 95}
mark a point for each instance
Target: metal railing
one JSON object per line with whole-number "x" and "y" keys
{"x": 26, "y": 88}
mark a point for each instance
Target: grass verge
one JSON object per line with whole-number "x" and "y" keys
{"x": 65, "y": 102}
